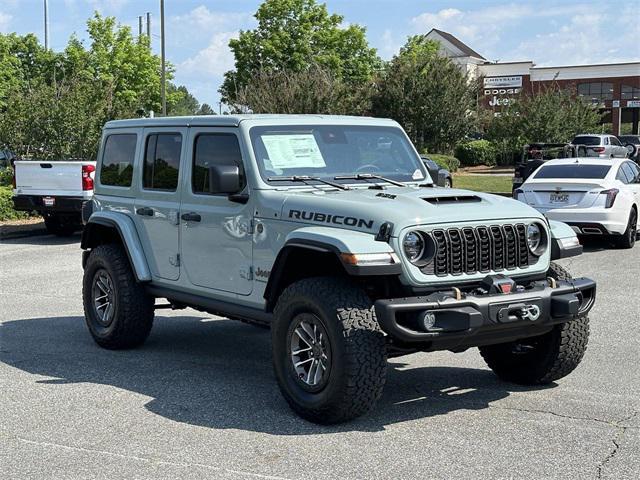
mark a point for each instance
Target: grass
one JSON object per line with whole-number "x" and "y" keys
{"x": 6, "y": 206}
{"x": 483, "y": 183}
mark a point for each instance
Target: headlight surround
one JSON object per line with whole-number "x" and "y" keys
{"x": 536, "y": 239}
{"x": 413, "y": 246}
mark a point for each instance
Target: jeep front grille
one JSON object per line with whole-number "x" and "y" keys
{"x": 479, "y": 249}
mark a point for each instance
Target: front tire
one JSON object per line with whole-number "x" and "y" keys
{"x": 545, "y": 358}
{"x": 117, "y": 310}
{"x": 329, "y": 354}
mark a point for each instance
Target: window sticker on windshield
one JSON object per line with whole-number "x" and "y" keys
{"x": 293, "y": 151}
{"x": 417, "y": 175}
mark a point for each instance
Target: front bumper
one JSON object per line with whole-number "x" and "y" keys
{"x": 441, "y": 322}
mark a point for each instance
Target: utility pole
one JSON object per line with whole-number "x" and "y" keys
{"x": 149, "y": 26}
{"x": 46, "y": 24}
{"x": 163, "y": 78}
{"x": 139, "y": 27}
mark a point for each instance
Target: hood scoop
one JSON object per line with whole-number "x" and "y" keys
{"x": 452, "y": 199}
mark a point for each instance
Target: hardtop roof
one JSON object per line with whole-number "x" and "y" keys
{"x": 236, "y": 120}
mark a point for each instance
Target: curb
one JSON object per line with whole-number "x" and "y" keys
{"x": 25, "y": 230}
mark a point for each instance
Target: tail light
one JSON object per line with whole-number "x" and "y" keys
{"x": 611, "y": 196}
{"x": 87, "y": 179}
{"x": 598, "y": 149}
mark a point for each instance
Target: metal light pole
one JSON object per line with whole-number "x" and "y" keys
{"x": 163, "y": 77}
{"x": 46, "y": 24}
{"x": 139, "y": 26}
{"x": 149, "y": 26}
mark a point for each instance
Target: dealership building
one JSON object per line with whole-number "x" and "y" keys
{"x": 614, "y": 87}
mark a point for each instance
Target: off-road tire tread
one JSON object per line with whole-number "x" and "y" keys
{"x": 135, "y": 307}
{"x": 569, "y": 343}
{"x": 365, "y": 345}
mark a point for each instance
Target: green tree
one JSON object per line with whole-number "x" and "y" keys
{"x": 182, "y": 102}
{"x": 553, "y": 115}
{"x": 293, "y": 35}
{"x": 428, "y": 94}
{"x": 205, "y": 109}
{"x": 313, "y": 90}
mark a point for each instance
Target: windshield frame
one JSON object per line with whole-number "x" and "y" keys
{"x": 255, "y": 131}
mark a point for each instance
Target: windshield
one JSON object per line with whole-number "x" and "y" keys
{"x": 329, "y": 151}
{"x": 586, "y": 141}
{"x": 573, "y": 171}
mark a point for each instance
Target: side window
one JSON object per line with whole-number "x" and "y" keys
{"x": 162, "y": 162}
{"x": 621, "y": 175}
{"x": 629, "y": 171}
{"x": 615, "y": 141}
{"x": 213, "y": 149}
{"x": 117, "y": 159}
{"x": 606, "y": 140}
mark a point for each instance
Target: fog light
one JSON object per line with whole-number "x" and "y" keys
{"x": 428, "y": 320}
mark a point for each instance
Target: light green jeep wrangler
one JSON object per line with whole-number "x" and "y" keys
{"x": 329, "y": 231}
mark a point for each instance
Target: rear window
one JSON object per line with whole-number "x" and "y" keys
{"x": 586, "y": 141}
{"x": 117, "y": 160}
{"x": 573, "y": 171}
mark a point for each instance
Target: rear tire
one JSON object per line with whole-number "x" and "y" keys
{"x": 117, "y": 310}
{"x": 59, "y": 226}
{"x": 628, "y": 238}
{"x": 334, "y": 322}
{"x": 545, "y": 358}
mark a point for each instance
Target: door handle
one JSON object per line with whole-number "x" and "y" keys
{"x": 145, "y": 211}
{"x": 191, "y": 217}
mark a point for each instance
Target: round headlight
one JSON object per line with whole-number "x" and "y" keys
{"x": 413, "y": 246}
{"x": 534, "y": 237}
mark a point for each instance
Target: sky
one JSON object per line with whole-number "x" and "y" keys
{"x": 547, "y": 32}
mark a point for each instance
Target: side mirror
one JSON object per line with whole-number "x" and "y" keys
{"x": 224, "y": 179}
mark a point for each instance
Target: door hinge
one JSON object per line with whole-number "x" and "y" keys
{"x": 175, "y": 260}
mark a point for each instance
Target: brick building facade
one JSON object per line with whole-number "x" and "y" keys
{"x": 614, "y": 87}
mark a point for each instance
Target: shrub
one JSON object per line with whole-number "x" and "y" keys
{"x": 476, "y": 152}
{"x": 6, "y": 176}
{"x": 445, "y": 161}
{"x": 6, "y": 206}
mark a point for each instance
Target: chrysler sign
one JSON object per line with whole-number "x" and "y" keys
{"x": 503, "y": 82}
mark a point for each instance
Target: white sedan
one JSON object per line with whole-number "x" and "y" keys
{"x": 594, "y": 197}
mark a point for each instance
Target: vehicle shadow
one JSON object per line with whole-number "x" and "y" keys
{"x": 218, "y": 374}
{"x": 42, "y": 238}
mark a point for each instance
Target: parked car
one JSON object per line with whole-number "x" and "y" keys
{"x": 441, "y": 176}
{"x": 6, "y": 156}
{"x": 592, "y": 196}
{"x": 632, "y": 144}
{"x": 57, "y": 190}
{"x": 323, "y": 228}
{"x": 601, "y": 146}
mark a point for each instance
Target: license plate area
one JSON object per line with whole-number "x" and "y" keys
{"x": 558, "y": 197}
{"x": 48, "y": 201}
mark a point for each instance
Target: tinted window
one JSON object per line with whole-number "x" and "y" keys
{"x": 615, "y": 141}
{"x": 586, "y": 141}
{"x": 629, "y": 171}
{"x": 573, "y": 171}
{"x": 629, "y": 139}
{"x": 213, "y": 149}
{"x": 162, "y": 161}
{"x": 117, "y": 160}
{"x": 621, "y": 175}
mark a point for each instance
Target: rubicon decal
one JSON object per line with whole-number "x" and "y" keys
{"x": 328, "y": 218}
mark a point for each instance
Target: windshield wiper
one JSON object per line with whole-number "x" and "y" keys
{"x": 305, "y": 179}
{"x": 369, "y": 176}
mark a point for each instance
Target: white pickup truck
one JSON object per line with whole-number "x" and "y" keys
{"x": 57, "y": 190}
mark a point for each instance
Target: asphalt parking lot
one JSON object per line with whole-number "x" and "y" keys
{"x": 199, "y": 400}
